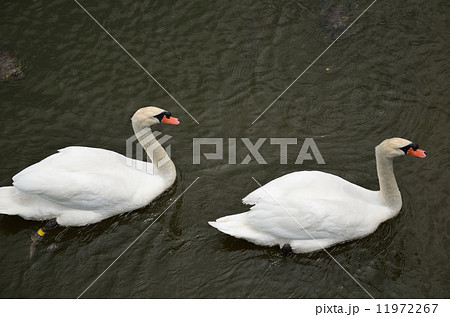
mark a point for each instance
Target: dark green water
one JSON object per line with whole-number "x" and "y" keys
{"x": 226, "y": 62}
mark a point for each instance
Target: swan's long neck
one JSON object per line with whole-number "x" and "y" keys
{"x": 162, "y": 164}
{"x": 389, "y": 192}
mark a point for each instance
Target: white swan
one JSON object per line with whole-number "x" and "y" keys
{"x": 81, "y": 185}
{"x": 310, "y": 210}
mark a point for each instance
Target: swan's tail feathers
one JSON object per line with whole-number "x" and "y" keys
{"x": 7, "y": 203}
{"x": 234, "y": 225}
{"x": 239, "y": 226}
{"x": 17, "y": 203}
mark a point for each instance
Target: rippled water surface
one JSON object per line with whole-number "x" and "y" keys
{"x": 226, "y": 62}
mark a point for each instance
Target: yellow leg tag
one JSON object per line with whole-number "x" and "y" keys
{"x": 40, "y": 232}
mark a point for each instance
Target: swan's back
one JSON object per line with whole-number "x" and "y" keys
{"x": 89, "y": 179}
{"x": 311, "y": 185}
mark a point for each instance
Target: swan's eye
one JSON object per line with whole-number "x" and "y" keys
{"x": 405, "y": 149}
{"x": 160, "y": 116}
{"x": 163, "y": 114}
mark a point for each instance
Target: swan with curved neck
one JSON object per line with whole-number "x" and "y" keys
{"x": 162, "y": 165}
{"x": 311, "y": 210}
{"x": 80, "y": 185}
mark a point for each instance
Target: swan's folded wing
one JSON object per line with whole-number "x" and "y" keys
{"x": 304, "y": 219}
{"x": 74, "y": 189}
{"x": 291, "y": 184}
{"x": 313, "y": 185}
{"x": 82, "y": 178}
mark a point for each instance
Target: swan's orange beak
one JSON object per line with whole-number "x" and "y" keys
{"x": 171, "y": 120}
{"x": 418, "y": 152}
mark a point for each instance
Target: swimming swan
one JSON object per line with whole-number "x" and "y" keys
{"x": 81, "y": 185}
{"x": 311, "y": 210}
